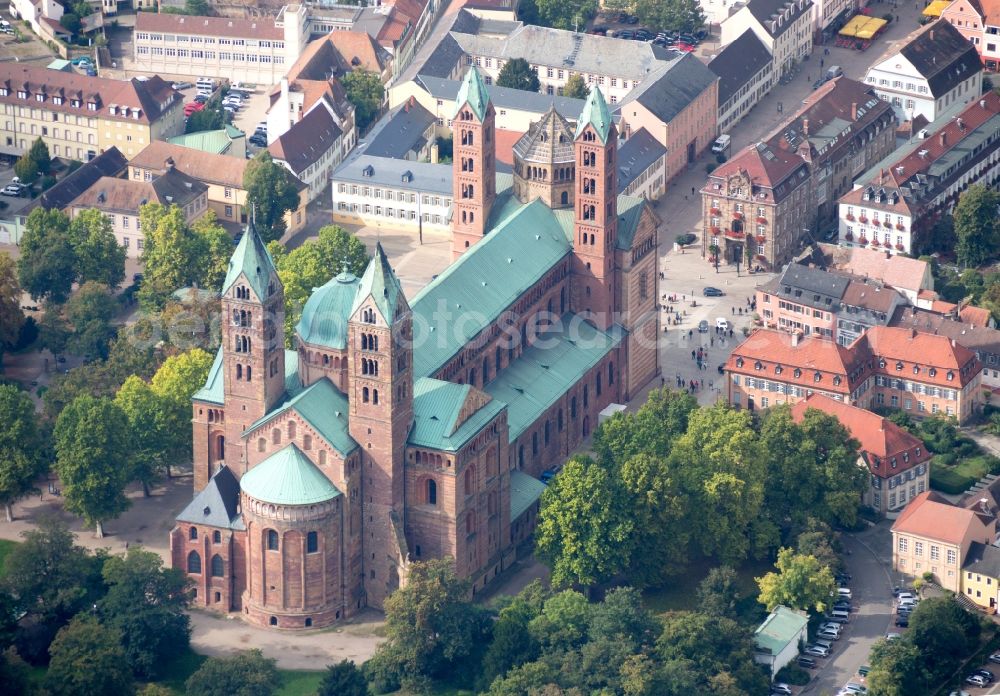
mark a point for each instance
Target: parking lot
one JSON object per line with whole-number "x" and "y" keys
{"x": 252, "y": 111}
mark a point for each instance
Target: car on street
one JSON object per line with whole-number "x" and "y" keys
{"x": 902, "y": 596}
{"x": 703, "y": 326}
{"x": 781, "y": 688}
{"x": 11, "y": 190}
{"x": 819, "y": 83}
{"x": 976, "y": 680}
{"x": 807, "y": 662}
{"x": 82, "y": 60}
{"x": 893, "y": 636}
{"x": 709, "y": 291}
{"x": 817, "y": 651}
{"x": 721, "y": 144}
{"x": 722, "y": 324}
{"x": 829, "y": 634}
{"x": 844, "y": 592}
{"x": 855, "y": 688}
{"x": 903, "y": 621}
{"x": 985, "y": 674}
{"x": 258, "y": 140}
{"x": 994, "y": 658}
{"x": 959, "y": 693}
{"x": 182, "y": 85}
{"x": 863, "y": 670}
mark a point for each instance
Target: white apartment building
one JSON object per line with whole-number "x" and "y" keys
{"x": 394, "y": 194}
{"x": 746, "y": 75}
{"x": 935, "y": 70}
{"x": 257, "y": 50}
{"x": 311, "y": 149}
{"x": 784, "y": 26}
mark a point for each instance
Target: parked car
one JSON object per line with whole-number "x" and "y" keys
{"x": 82, "y": 60}
{"x": 893, "y": 636}
{"x": 807, "y": 662}
{"x": 906, "y": 595}
{"x": 844, "y": 592}
{"x": 959, "y": 693}
{"x": 712, "y": 292}
{"x": 721, "y": 144}
{"x": 863, "y": 670}
{"x": 258, "y": 140}
{"x": 985, "y": 674}
{"x": 817, "y": 651}
{"x": 829, "y": 634}
{"x": 994, "y": 658}
{"x": 547, "y": 476}
{"x": 201, "y": 98}
{"x": 781, "y": 688}
{"x": 903, "y": 621}
{"x": 703, "y": 326}
{"x": 976, "y": 680}
{"x": 722, "y": 324}
{"x": 11, "y": 190}
{"x": 182, "y": 85}
{"x": 855, "y": 688}
{"x": 90, "y": 71}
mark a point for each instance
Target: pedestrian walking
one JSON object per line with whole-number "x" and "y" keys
{"x": 821, "y": 62}
{"x": 692, "y": 190}
{"x": 711, "y": 342}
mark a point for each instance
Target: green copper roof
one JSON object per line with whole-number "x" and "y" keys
{"x": 543, "y": 373}
{"x": 382, "y": 284}
{"x": 216, "y": 142}
{"x": 524, "y": 491}
{"x": 779, "y": 629}
{"x": 214, "y": 392}
{"x": 322, "y": 406}
{"x": 325, "y": 314}
{"x": 436, "y": 407}
{"x": 288, "y": 477}
{"x": 472, "y": 92}
{"x": 253, "y": 261}
{"x": 484, "y": 282}
{"x": 629, "y": 215}
{"x": 595, "y": 113}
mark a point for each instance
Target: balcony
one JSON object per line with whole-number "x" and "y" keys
{"x": 900, "y": 247}
{"x": 887, "y": 224}
{"x": 863, "y": 241}
{"x": 863, "y": 220}
{"x": 716, "y": 231}
{"x": 849, "y": 217}
{"x": 901, "y": 227}
{"x": 761, "y": 239}
{"x": 715, "y": 211}
{"x": 762, "y": 220}
{"x": 737, "y": 216}
{"x": 732, "y": 234}
{"x": 876, "y": 243}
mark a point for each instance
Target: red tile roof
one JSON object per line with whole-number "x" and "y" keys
{"x": 764, "y": 170}
{"x": 505, "y": 140}
{"x": 893, "y": 270}
{"x": 906, "y": 349}
{"x": 780, "y": 359}
{"x": 883, "y": 443}
{"x": 977, "y": 316}
{"x": 256, "y": 28}
{"x": 932, "y": 517}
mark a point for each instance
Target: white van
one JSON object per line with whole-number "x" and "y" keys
{"x": 721, "y": 145}
{"x": 205, "y": 83}
{"x": 844, "y": 616}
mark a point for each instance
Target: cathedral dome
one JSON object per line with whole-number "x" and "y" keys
{"x": 325, "y": 314}
{"x": 548, "y": 141}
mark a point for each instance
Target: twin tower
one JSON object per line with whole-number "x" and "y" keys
{"x": 554, "y": 163}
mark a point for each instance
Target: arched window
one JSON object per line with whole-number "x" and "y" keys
{"x": 220, "y": 446}
{"x": 248, "y": 372}
{"x": 312, "y": 542}
{"x": 261, "y": 444}
{"x": 375, "y": 396}
{"x": 364, "y": 395}
{"x": 239, "y": 371}
{"x": 217, "y": 566}
{"x": 193, "y": 533}
{"x": 307, "y": 442}
{"x": 432, "y": 492}
{"x": 272, "y": 540}
{"x": 291, "y": 430}
{"x": 194, "y": 563}
{"x": 276, "y": 436}
{"x": 470, "y": 480}
{"x": 216, "y": 537}
{"x": 611, "y": 373}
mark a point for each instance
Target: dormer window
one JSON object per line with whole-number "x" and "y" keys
{"x": 906, "y": 457}
{"x": 76, "y": 103}
{"x": 916, "y": 369}
{"x": 817, "y": 377}
{"x": 893, "y": 462}
{"x": 57, "y": 100}
{"x": 778, "y": 369}
{"x": 918, "y": 451}
{"x": 4, "y": 92}
{"x": 21, "y": 94}
{"x": 881, "y": 363}
{"x": 797, "y": 373}
{"x": 837, "y": 380}
{"x": 40, "y": 97}
{"x": 899, "y": 365}
{"x": 739, "y": 362}
{"x": 950, "y": 376}
{"x": 758, "y": 365}
{"x": 91, "y": 106}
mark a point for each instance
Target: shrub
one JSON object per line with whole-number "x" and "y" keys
{"x": 792, "y": 674}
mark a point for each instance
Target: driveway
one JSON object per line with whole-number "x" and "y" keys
{"x": 872, "y": 617}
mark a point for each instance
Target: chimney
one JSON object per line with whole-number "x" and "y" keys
{"x": 805, "y": 127}
{"x": 168, "y": 163}
{"x": 932, "y": 34}
{"x": 854, "y": 111}
{"x": 284, "y": 88}
{"x": 944, "y": 139}
{"x": 795, "y": 339}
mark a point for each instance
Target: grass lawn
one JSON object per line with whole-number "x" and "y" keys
{"x": 957, "y": 478}
{"x": 681, "y": 593}
{"x": 294, "y": 682}
{"x": 5, "y": 548}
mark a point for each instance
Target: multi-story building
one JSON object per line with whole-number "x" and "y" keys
{"x": 223, "y": 175}
{"x": 910, "y": 277}
{"x": 756, "y": 206}
{"x": 257, "y": 50}
{"x": 933, "y": 535}
{"x": 678, "y": 105}
{"x": 979, "y": 22}
{"x": 79, "y": 117}
{"x": 897, "y": 461}
{"x": 981, "y": 576}
{"x": 617, "y": 66}
{"x": 966, "y": 326}
{"x": 841, "y": 129}
{"x": 896, "y": 204}
{"x": 933, "y": 71}
{"x": 312, "y": 148}
{"x": 784, "y": 26}
{"x": 642, "y": 166}
{"x": 406, "y": 440}
{"x": 919, "y": 373}
{"x": 746, "y": 75}
{"x": 122, "y": 199}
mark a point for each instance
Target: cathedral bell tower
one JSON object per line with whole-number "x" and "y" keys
{"x": 380, "y": 335}
{"x": 474, "y": 169}
{"x": 595, "y": 226}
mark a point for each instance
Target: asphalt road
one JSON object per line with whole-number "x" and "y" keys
{"x": 872, "y": 619}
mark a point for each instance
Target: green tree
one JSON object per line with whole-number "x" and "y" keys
{"x": 99, "y": 256}
{"x": 512, "y": 645}
{"x": 53, "y": 329}
{"x": 365, "y": 91}
{"x": 88, "y": 660}
{"x": 215, "y": 248}
{"x": 944, "y": 633}
{"x": 92, "y": 459}
{"x": 271, "y": 192}
{"x": 896, "y": 669}
{"x": 565, "y": 14}
{"x": 517, "y": 73}
{"x": 585, "y": 538}
{"x": 576, "y": 87}
{"x": 26, "y": 170}
{"x": 148, "y": 435}
{"x": 39, "y": 154}
{"x": 11, "y": 316}
{"x": 198, "y": 8}
{"x": 21, "y": 459}
{"x": 800, "y": 583}
{"x": 212, "y": 117}
{"x": 174, "y": 384}
{"x": 343, "y": 679}
{"x": 650, "y": 430}
{"x": 312, "y": 264}
{"x": 672, "y": 15}
{"x": 51, "y": 577}
{"x": 976, "y": 225}
{"x": 430, "y": 624}
{"x": 718, "y": 592}
{"x": 563, "y": 622}
{"x": 818, "y": 540}
{"x": 146, "y": 603}
{"x": 247, "y": 673}
{"x": 90, "y": 312}
{"x": 47, "y": 265}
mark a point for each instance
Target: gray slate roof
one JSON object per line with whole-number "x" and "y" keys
{"x": 943, "y": 56}
{"x": 738, "y": 62}
{"x": 804, "y": 284}
{"x": 506, "y": 98}
{"x": 388, "y": 172}
{"x": 636, "y": 155}
{"x": 672, "y": 88}
{"x": 764, "y": 10}
{"x": 983, "y": 559}
{"x": 443, "y": 59}
{"x": 585, "y": 53}
{"x": 217, "y": 504}
{"x": 111, "y": 162}
{"x": 401, "y": 131}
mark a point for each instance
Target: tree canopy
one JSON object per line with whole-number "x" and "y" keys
{"x": 365, "y": 91}
{"x": 11, "y": 316}
{"x": 517, "y": 73}
{"x": 247, "y": 673}
{"x": 22, "y": 456}
{"x": 47, "y": 266}
{"x": 560, "y": 14}
{"x": 99, "y": 256}
{"x": 801, "y": 582}
{"x": 88, "y": 660}
{"x": 977, "y": 225}
{"x": 271, "y": 192}
{"x": 576, "y": 87}
{"x": 671, "y": 15}
{"x": 90, "y": 311}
